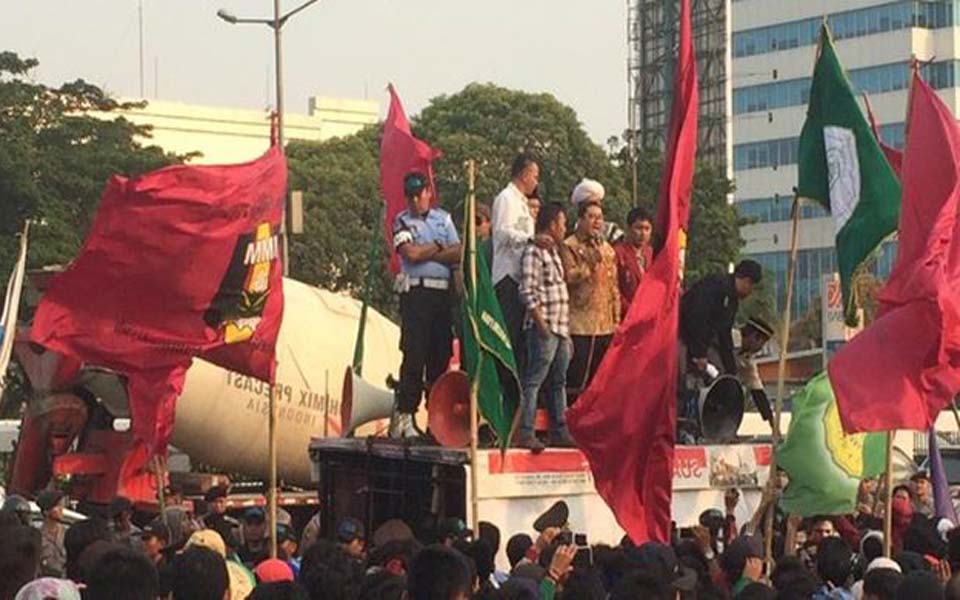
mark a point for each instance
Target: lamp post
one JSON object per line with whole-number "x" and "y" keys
{"x": 276, "y": 23}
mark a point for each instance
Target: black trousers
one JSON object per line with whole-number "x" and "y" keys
{"x": 508, "y": 295}
{"x": 425, "y": 339}
{"x": 588, "y": 351}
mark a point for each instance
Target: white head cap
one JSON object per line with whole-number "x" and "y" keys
{"x": 882, "y": 562}
{"x": 944, "y": 526}
{"x": 587, "y": 190}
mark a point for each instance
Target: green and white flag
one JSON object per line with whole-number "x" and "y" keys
{"x": 824, "y": 464}
{"x": 842, "y": 167}
{"x": 487, "y": 354}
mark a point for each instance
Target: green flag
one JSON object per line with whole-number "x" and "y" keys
{"x": 841, "y": 166}
{"x": 487, "y": 354}
{"x": 825, "y": 465}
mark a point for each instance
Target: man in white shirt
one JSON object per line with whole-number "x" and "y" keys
{"x": 513, "y": 228}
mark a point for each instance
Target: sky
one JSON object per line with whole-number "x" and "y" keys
{"x": 574, "y": 49}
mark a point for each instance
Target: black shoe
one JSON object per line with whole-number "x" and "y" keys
{"x": 532, "y": 444}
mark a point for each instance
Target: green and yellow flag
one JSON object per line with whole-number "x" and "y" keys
{"x": 487, "y": 354}
{"x": 825, "y": 465}
{"x": 841, "y": 166}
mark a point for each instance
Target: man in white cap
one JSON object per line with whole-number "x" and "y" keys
{"x": 589, "y": 190}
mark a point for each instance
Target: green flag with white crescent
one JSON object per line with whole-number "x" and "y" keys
{"x": 825, "y": 465}
{"x": 841, "y": 166}
{"x": 487, "y": 354}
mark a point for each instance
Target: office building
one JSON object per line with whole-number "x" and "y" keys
{"x": 228, "y": 135}
{"x": 774, "y": 46}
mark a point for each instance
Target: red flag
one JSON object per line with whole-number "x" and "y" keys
{"x": 626, "y": 419}
{"x": 181, "y": 262}
{"x": 905, "y": 367}
{"x": 894, "y": 156}
{"x": 400, "y": 153}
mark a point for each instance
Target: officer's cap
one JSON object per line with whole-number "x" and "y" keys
{"x": 414, "y": 183}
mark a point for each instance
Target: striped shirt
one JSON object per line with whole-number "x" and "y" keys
{"x": 542, "y": 286}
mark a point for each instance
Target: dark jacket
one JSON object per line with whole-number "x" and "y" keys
{"x": 707, "y": 313}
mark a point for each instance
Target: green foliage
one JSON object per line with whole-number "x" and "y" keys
{"x": 714, "y": 230}
{"x": 491, "y": 125}
{"x": 762, "y": 303}
{"x": 714, "y": 236}
{"x": 55, "y": 158}
{"x": 342, "y": 214}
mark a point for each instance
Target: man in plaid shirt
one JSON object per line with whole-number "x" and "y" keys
{"x": 547, "y": 331}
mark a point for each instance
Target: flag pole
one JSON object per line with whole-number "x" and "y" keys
{"x": 888, "y": 477}
{"x": 470, "y": 226}
{"x": 782, "y": 372}
{"x": 888, "y": 512}
{"x": 373, "y": 257}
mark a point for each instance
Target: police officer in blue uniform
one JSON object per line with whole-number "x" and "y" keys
{"x": 429, "y": 248}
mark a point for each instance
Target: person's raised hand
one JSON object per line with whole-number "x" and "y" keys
{"x": 546, "y": 537}
{"x": 701, "y": 535}
{"x": 562, "y": 562}
{"x": 544, "y": 241}
{"x": 943, "y": 571}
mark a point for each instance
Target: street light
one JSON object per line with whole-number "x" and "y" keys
{"x": 227, "y": 16}
{"x": 276, "y": 23}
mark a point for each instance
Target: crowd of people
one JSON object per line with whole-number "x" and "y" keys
{"x": 563, "y": 292}
{"x": 178, "y": 557}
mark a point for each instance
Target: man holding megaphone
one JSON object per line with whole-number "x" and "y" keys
{"x": 707, "y": 346}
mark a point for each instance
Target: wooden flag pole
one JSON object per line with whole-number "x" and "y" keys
{"x": 470, "y": 226}
{"x": 888, "y": 511}
{"x": 782, "y": 374}
{"x": 158, "y": 472}
{"x": 373, "y": 258}
{"x": 888, "y": 479}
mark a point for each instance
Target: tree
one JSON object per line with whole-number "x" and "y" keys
{"x": 491, "y": 125}
{"x": 342, "y": 206}
{"x": 713, "y": 238}
{"x": 55, "y": 158}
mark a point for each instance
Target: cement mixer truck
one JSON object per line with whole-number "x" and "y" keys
{"x": 69, "y": 429}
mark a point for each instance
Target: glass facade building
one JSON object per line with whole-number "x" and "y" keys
{"x": 812, "y": 265}
{"x": 776, "y": 208}
{"x": 892, "y": 16}
{"x": 772, "y": 50}
{"x": 783, "y": 151}
{"x": 878, "y": 79}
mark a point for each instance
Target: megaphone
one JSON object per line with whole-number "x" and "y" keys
{"x": 449, "y": 409}
{"x": 362, "y": 402}
{"x": 721, "y": 409}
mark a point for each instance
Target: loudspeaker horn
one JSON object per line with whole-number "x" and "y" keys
{"x": 449, "y": 409}
{"x": 362, "y": 402}
{"x": 721, "y": 409}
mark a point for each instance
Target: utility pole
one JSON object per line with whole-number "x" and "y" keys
{"x": 140, "y": 17}
{"x": 276, "y": 23}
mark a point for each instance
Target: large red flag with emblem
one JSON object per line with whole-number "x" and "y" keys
{"x": 400, "y": 153}
{"x": 625, "y": 421}
{"x": 903, "y": 369}
{"x": 181, "y": 262}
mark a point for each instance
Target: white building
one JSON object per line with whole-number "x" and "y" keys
{"x": 773, "y": 49}
{"x": 229, "y": 135}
